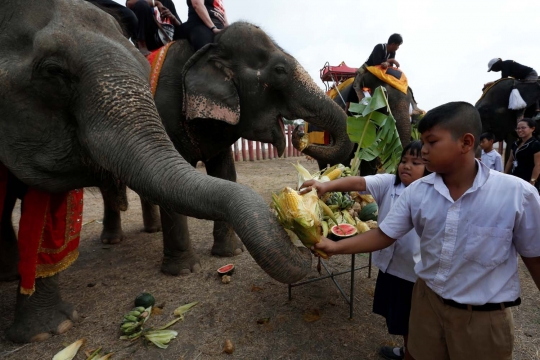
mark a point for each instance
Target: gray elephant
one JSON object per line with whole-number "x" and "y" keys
{"x": 240, "y": 86}
{"x": 494, "y": 112}
{"x": 76, "y": 108}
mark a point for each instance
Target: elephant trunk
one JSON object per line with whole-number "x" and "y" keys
{"x": 324, "y": 113}
{"x": 130, "y": 141}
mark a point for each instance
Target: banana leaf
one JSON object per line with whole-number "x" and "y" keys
{"x": 373, "y": 128}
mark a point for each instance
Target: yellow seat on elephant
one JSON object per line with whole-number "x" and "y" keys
{"x": 333, "y": 92}
{"x": 402, "y": 84}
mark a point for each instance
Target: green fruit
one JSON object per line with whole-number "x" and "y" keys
{"x": 145, "y": 300}
{"x": 369, "y": 212}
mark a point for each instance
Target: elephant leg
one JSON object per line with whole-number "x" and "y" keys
{"x": 41, "y": 314}
{"x": 114, "y": 201}
{"x": 9, "y": 251}
{"x": 226, "y": 243}
{"x": 178, "y": 255}
{"x": 151, "y": 219}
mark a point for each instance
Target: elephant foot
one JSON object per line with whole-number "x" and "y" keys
{"x": 228, "y": 247}
{"x": 183, "y": 264}
{"x": 152, "y": 228}
{"x": 112, "y": 237}
{"x": 39, "y": 316}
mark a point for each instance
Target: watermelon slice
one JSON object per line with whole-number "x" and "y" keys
{"x": 343, "y": 231}
{"x": 226, "y": 270}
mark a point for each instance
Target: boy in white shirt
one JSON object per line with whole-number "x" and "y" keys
{"x": 491, "y": 158}
{"x": 468, "y": 275}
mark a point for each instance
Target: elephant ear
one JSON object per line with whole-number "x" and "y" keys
{"x": 209, "y": 91}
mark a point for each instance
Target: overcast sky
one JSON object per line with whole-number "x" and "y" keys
{"x": 446, "y": 48}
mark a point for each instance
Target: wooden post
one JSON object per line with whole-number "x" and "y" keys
{"x": 236, "y": 153}
{"x": 244, "y": 150}
{"x": 289, "y": 141}
{"x": 263, "y": 149}
{"x": 250, "y": 150}
{"x": 270, "y": 151}
{"x": 276, "y": 153}
{"x": 258, "y": 150}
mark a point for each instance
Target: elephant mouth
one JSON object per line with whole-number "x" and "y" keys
{"x": 280, "y": 141}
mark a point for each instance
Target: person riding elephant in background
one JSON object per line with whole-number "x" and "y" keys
{"x": 205, "y": 19}
{"x": 383, "y": 54}
{"x": 153, "y": 34}
{"x": 510, "y": 68}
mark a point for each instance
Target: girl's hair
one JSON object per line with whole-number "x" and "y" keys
{"x": 532, "y": 124}
{"x": 414, "y": 149}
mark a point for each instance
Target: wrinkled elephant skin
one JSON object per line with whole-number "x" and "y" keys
{"x": 76, "y": 111}
{"x": 240, "y": 86}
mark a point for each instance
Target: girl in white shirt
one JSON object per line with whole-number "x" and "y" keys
{"x": 396, "y": 277}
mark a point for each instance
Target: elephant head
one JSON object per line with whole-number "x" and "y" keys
{"x": 400, "y": 103}
{"x": 254, "y": 85}
{"x": 75, "y": 108}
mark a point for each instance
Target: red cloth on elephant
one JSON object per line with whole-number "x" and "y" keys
{"x": 49, "y": 232}
{"x": 156, "y": 59}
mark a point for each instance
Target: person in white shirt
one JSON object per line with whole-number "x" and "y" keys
{"x": 395, "y": 281}
{"x": 490, "y": 157}
{"x": 468, "y": 274}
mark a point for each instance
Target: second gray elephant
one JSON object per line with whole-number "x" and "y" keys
{"x": 240, "y": 86}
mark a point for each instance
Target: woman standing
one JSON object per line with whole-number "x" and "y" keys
{"x": 205, "y": 19}
{"x": 524, "y": 161}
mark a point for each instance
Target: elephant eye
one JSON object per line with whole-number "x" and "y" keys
{"x": 280, "y": 69}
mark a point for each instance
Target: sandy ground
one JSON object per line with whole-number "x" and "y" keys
{"x": 253, "y": 311}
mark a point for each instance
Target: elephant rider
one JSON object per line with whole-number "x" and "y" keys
{"x": 205, "y": 19}
{"x": 383, "y": 54}
{"x": 152, "y": 34}
{"x": 510, "y": 68}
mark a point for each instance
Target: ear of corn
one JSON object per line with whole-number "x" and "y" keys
{"x": 300, "y": 214}
{"x": 334, "y": 174}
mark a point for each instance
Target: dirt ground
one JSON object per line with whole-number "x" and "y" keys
{"x": 253, "y": 311}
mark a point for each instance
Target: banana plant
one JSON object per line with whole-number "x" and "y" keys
{"x": 373, "y": 128}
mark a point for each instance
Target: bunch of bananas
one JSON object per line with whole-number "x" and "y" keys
{"x": 131, "y": 327}
{"x": 339, "y": 201}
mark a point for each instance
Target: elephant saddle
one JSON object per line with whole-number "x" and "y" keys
{"x": 393, "y": 77}
{"x": 156, "y": 59}
{"x": 49, "y": 231}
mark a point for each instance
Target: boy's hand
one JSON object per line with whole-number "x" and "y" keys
{"x": 313, "y": 184}
{"x": 326, "y": 245}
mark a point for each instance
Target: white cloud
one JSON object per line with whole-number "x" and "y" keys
{"x": 447, "y": 44}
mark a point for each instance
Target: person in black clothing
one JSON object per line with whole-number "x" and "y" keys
{"x": 524, "y": 160}
{"x": 124, "y": 16}
{"x": 148, "y": 35}
{"x": 383, "y": 54}
{"x": 510, "y": 68}
{"x": 205, "y": 19}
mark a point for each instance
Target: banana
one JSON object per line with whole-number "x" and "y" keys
{"x": 134, "y": 313}
{"x": 348, "y": 218}
{"x": 139, "y": 309}
{"x": 131, "y": 318}
{"x": 128, "y": 324}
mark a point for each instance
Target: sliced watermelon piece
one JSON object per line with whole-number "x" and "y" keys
{"x": 343, "y": 230}
{"x": 226, "y": 270}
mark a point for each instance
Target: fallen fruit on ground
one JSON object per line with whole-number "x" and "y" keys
{"x": 228, "y": 347}
{"x": 226, "y": 279}
{"x": 180, "y": 311}
{"x": 70, "y": 351}
{"x": 343, "y": 230}
{"x": 226, "y": 270}
{"x": 145, "y": 300}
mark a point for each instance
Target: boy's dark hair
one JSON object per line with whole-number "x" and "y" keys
{"x": 488, "y": 136}
{"x": 395, "y": 39}
{"x": 415, "y": 149}
{"x": 457, "y": 117}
